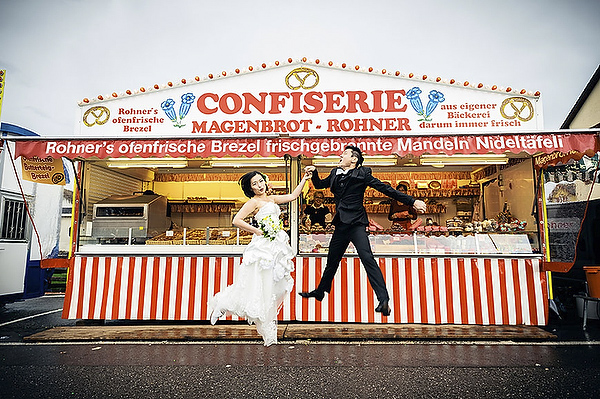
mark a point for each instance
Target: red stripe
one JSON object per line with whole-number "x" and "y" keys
{"x": 489, "y": 290}
{"x": 422, "y": 290}
{"x": 68, "y": 292}
{"x": 462, "y": 287}
{"x": 179, "y": 289}
{"x": 409, "y": 290}
{"x": 217, "y": 282}
{"x": 396, "y": 290}
{"x": 357, "y": 291}
{"x": 167, "y": 288}
{"x": 370, "y": 304}
{"x": 531, "y": 292}
{"x": 449, "y": 293}
{"x": 82, "y": 288}
{"x": 93, "y": 288}
{"x": 229, "y": 271}
{"x": 384, "y": 319}
{"x": 344, "y": 294}
{"x": 192, "y": 288}
{"x": 503, "y": 291}
{"x": 293, "y": 293}
{"x": 106, "y": 286}
{"x": 143, "y": 272}
{"x": 436, "y": 291}
{"x": 229, "y": 277}
{"x": 476, "y": 291}
{"x": 204, "y": 290}
{"x": 130, "y": 276}
{"x": 317, "y": 304}
{"x": 305, "y": 277}
{"x": 517, "y": 291}
{"x": 117, "y": 291}
{"x": 154, "y": 296}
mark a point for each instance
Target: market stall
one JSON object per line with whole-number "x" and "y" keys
{"x": 476, "y": 257}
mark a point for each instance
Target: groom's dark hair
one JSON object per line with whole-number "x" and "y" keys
{"x": 356, "y": 152}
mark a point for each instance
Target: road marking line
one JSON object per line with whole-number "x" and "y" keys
{"x": 30, "y": 317}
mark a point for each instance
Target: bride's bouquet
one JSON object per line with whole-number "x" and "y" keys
{"x": 270, "y": 227}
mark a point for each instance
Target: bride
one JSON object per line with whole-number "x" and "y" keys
{"x": 263, "y": 279}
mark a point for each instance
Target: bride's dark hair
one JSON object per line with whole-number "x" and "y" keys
{"x": 244, "y": 182}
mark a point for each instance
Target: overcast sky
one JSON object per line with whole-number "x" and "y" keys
{"x": 57, "y": 52}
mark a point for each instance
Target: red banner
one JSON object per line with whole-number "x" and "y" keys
{"x": 191, "y": 148}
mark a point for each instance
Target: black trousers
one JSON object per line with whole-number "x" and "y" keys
{"x": 343, "y": 235}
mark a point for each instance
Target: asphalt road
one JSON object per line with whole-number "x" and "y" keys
{"x": 300, "y": 369}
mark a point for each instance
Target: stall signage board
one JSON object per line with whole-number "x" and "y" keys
{"x": 102, "y": 148}
{"x": 47, "y": 170}
{"x": 305, "y": 99}
{"x": 248, "y": 147}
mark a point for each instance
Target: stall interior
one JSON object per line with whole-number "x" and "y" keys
{"x": 475, "y": 204}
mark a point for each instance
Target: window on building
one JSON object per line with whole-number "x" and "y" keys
{"x": 13, "y": 220}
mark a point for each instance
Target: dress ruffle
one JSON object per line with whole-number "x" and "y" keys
{"x": 261, "y": 282}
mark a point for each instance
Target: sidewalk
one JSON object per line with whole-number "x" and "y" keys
{"x": 231, "y": 331}
{"x": 42, "y": 323}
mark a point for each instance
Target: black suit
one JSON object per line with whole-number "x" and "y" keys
{"x": 351, "y": 220}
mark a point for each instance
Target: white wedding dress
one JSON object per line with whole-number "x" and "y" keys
{"x": 262, "y": 281}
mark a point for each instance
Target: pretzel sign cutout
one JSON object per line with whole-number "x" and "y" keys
{"x": 524, "y": 103}
{"x": 302, "y": 78}
{"x": 100, "y": 115}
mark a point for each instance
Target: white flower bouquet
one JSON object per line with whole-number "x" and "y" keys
{"x": 270, "y": 227}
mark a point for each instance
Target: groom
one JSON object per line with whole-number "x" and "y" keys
{"x": 348, "y": 182}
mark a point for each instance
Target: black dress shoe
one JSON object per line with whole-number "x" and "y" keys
{"x": 318, "y": 295}
{"x": 384, "y": 308}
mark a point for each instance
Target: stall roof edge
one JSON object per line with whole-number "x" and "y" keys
{"x": 305, "y": 61}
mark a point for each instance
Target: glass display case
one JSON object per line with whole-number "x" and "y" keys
{"x": 418, "y": 243}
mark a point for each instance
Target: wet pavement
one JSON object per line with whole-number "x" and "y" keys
{"x": 563, "y": 361}
{"x": 39, "y": 320}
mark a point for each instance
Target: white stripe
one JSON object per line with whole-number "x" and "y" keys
{"x": 429, "y": 294}
{"x": 135, "y": 287}
{"x": 524, "y": 293}
{"x": 456, "y": 291}
{"x": 469, "y": 289}
{"x": 485, "y": 313}
{"x": 510, "y": 293}
{"x": 148, "y": 289}
{"x": 187, "y": 289}
{"x": 496, "y": 292}
{"x": 76, "y": 273}
{"x": 416, "y": 299}
{"x": 112, "y": 279}
{"x": 389, "y": 276}
{"x": 365, "y": 291}
{"x": 160, "y": 297}
{"x": 442, "y": 291}
{"x": 197, "y": 290}
{"x": 123, "y": 290}
{"x": 173, "y": 293}
{"x": 86, "y": 284}
{"x": 403, "y": 291}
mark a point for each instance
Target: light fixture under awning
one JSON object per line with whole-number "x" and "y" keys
{"x": 267, "y": 162}
{"x": 464, "y": 159}
{"x": 384, "y": 160}
{"x": 124, "y": 163}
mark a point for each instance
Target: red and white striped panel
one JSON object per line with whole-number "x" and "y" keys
{"x": 435, "y": 291}
{"x": 430, "y": 290}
